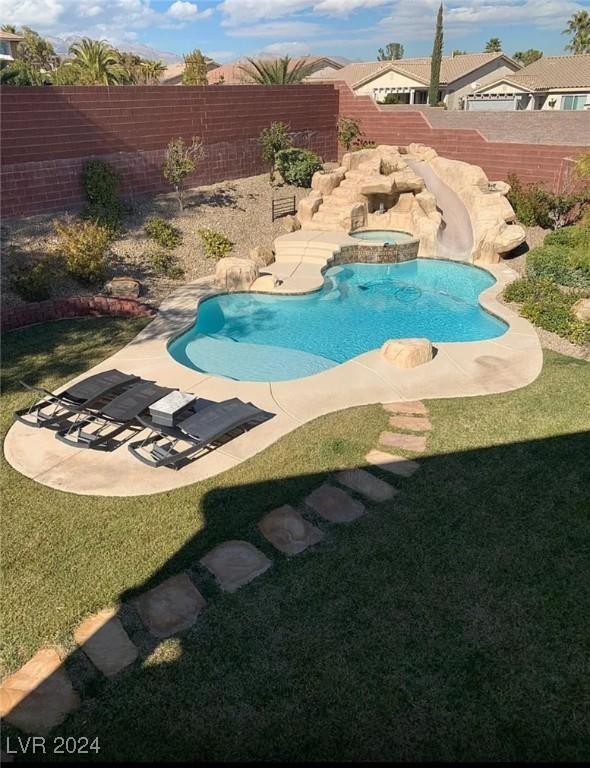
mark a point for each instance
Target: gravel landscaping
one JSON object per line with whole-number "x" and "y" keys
{"x": 240, "y": 209}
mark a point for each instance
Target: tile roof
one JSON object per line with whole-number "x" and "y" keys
{"x": 177, "y": 69}
{"x": 452, "y": 68}
{"x": 10, "y": 36}
{"x": 555, "y": 73}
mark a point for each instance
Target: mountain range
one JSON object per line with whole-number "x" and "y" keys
{"x": 62, "y": 44}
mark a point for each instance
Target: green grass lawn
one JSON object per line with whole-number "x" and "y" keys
{"x": 449, "y": 624}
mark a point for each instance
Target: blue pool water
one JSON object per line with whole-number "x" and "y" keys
{"x": 382, "y": 236}
{"x": 258, "y": 337}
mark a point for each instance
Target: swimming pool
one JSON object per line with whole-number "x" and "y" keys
{"x": 393, "y": 236}
{"x": 263, "y": 337}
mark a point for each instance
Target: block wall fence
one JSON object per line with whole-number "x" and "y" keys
{"x": 47, "y": 133}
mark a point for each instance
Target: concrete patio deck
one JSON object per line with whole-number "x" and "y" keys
{"x": 459, "y": 369}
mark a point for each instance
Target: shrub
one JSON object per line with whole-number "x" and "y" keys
{"x": 545, "y": 305}
{"x": 164, "y": 263}
{"x": 162, "y": 232}
{"x": 272, "y": 140}
{"x": 101, "y": 185}
{"x": 571, "y": 237}
{"x": 83, "y": 246}
{"x": 297, "y": 166}
{"x": 180, "y": 161}
{"x": 560, "y": 263}
{"x": 348, "y": 129}
{"x": 32, "y": 281}
{"x": 215, "y": 244}
{"x": 362, "y": 143}
{"x": 534, "y": 205}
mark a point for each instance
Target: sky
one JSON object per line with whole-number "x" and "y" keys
{"x": 227, "y": 29}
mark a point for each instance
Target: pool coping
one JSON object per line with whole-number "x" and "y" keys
{"x": 459, "y": 369}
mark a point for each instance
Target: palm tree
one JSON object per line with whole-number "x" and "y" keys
{"x": 277, "y": 71}
{"x": 152, "y": 71}
{"x": 494, "y": 45}
{"x": 578, "y": 27}
{"x": 96, "y": 62}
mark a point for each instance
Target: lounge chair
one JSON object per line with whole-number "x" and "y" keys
{"x": 91, "y": 392}
{"x": 97, "y": 429}
{"x": 202, "y": 430}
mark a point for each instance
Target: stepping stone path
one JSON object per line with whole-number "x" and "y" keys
{"x": 414, "y": 406}
{"x": 288, "y": 531}
{"x": 397, "y": 465}
{"x": 413, "y": 423}
{"x": 40, "y": 695}
{"x": 235, "y": 563}
{"x": 170, "y": 607}
{"x": 415, "y": 443}
{"x": 366, "y": 484}
{"x": 105, "y": 642}
{"x": 334, "y": 504}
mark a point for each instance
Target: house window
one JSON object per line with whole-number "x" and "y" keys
{"x": 574, "y": 102}
{"x": 4, "y": 48}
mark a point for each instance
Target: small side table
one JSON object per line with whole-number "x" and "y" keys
{"x": 166, "y": 410}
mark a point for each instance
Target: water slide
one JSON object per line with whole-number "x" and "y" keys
{"x": 455, "y": 236}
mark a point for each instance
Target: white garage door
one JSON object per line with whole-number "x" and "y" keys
{"x": 492, "y": 105}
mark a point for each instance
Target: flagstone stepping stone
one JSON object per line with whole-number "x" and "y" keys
{"x": 414, "y": 406}
{"x": 170, "y": 607}
{"x": 366, "y": 484}
{"x": 397, "y": 465}
{"x": 235, "y": 563}
{"x": 40, "y": 695}
{"x": 288, "y": 531}
{"x": 416, "y": 443}
{"x": 413, "y": 423}
{"x": 105, "y": 642}
{"x": 334, "y": 504}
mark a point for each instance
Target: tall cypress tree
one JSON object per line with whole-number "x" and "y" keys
{"x": 436, "y": 59}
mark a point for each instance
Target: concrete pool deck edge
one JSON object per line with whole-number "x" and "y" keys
{"x": 460, "y": 369}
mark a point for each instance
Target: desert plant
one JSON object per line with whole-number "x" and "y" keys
{"x": 535, "y": 205}
{"x": 101, "y": 185}
{"x": 282, "y": 71}
{"x": 96, "y": 62}
{"x": 348, "y": 129}
{"x": 83, "y": 245}
{"x": 180, "y": 161}
{"x": 164, "y": 263}
{"x": 297, "y": 166}
{"x": 162, "y": 232}
{"x": 215, "y": 244}
{"x": 272, "y": 140}
{"x": 195, "y": 68}
{"x": 564, "y": 265}
{"x": 32, "y": 281}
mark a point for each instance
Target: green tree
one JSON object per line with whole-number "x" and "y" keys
{"x": 195, "y": 69}
{"x": 152, "y": 71}
{"x": 578, "y": 28}
{"x": 435, "y": 61}
{"x": 348, "y": 129}
{"x": 392, "y": 52}
{"x": 494, "y": 45}
{"x": 277, "y": 71}
{"x": 458, "y": 52}
{"x": 20, "y": 72}
{"x": 181, "y": 160}
{"x": 527, "y": 57}
{"x": 96, "y": 63}
{"x": 272, "y": 140}
{"x": 131, "y": 70}
{"x": 35, "y": 50}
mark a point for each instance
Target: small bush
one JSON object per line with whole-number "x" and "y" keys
{"x": 560, "y": 263}
{"x": 348, "y": 129}
{"x": 272, "y": 140}
{"x": 545, "y": 305}
{"x": 534, "y": 205}
{"x": 215, "y": 244}
{"x": 162, "y": 232}
{"x": 32, "y": 281}
{"x": 164, "y": 263}
{"x": 101, "y": 185}
{"x": 83, "y": 246}
{"x": 571, "y": 237}
{"x": 297, "y": 166}
{"x": 363, "y": 143}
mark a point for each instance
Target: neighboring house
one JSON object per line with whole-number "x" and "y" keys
{"x": 550, "y": 83}
{"x": 408, "y": 79}
{"x": 233, "y": 74}
{"x": 174, "y": 72}
{"x": 8, "y": 45}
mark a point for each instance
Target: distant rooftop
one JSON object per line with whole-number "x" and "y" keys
{"x": 555, "y": 73}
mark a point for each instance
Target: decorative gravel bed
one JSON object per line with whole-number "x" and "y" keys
{"x": 240, "y": 209}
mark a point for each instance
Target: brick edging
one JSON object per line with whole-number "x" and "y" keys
{"x": 74, "y": 306}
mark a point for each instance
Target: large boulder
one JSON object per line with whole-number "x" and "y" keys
{"x": 308, "y": 206}
{"x": 123, "y": 287}
{"x": 233, "y": 274}
{"x": 581, "y": 310}
{"x": 325, "y": 182}
{"x": 407, "y": 353}
{"x": 290, "y": 224}
{"x": 262, "y": 255}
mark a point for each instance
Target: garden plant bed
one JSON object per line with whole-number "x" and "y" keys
{"x": 240, "y": 209}
{"x": 429, "y": 653}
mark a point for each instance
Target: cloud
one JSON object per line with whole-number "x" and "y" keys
{"x": 184, "y": 11}
{"x": 287, "y": 49}
{"x": 240, "y": 11}
{"x": 223, "y": 56}
{"x": 276, "y": 29}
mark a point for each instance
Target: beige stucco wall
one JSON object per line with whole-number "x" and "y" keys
{"x": 493, "y": 70}
{"x": 388, "y": 80}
